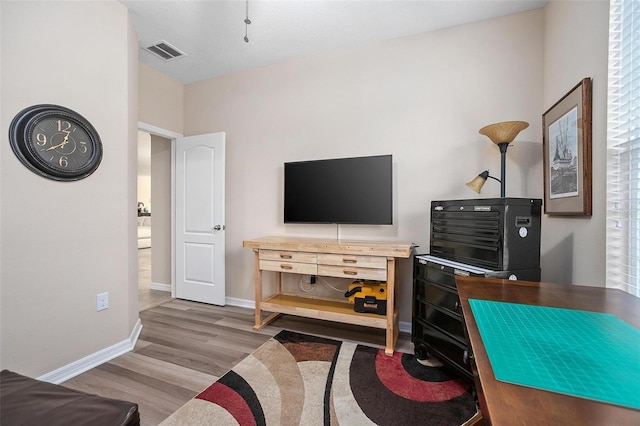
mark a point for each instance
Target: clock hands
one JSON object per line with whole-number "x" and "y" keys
{"x": 60, "y": 145}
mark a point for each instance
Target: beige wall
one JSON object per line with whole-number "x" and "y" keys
{"x": 130, "y": 205}
{"x": 161, "y": 105}
{"x": 154, "y": 186}
{"x": 421, "y": 98}
{"x": 161, "y": 100}
{"x": 64, "y": 242}
{"x": 161, "y": 222}
{"x": 575, "y": 46}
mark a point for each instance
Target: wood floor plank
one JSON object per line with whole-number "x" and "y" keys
{"x": 165, "y": 393}
{"x": 240, "y": 324}
{"x": 153, "y": 408}
{"x": 171, "y": 335}
{"x": 188, "y": 314}
{"x": 166, "y": 371}
{"x": 210, "y": 364}
{"x": 200, "y": 343}
{"x": 141, "y": 343}
{"x": 223, "y": 342}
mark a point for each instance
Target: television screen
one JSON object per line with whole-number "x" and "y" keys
{"x": 344, "y": 191}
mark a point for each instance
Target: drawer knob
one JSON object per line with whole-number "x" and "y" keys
{"x": 348, "y": 260}
{"x": 347, "y": 272}
{"x": 285, "y": 256}
{"x": 288, "y": 267}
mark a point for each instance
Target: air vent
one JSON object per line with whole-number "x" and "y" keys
{"x": 165, "y": 51}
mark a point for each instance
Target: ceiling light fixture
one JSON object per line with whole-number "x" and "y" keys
{"x": 247, "y": 21}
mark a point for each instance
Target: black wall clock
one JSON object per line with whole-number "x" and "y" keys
{"x": 55, "y": 142}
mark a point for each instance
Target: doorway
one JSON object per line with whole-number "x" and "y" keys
{"x": 154, "y": 220}
{"x": 197, "y": 256}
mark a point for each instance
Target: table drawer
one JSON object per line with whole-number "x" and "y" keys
{"x": 352, "y": 272}
{"x": 291, "y": 267}
{"x": 352, "y": 260}
{"x": 288, "y": 256}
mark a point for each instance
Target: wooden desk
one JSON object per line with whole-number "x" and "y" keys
{"x": 506, "y": 404}
{"x": 374, "y": 260}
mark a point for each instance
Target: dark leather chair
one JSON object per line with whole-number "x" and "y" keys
{"x": 25, "y": 401}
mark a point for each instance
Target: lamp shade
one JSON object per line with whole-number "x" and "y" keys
{"x": 478, "y": 181}
{"x": 505, "y": 131}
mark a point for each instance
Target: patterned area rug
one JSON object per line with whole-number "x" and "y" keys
{"x": 296, "y": 379}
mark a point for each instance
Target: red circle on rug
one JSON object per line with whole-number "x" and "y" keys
{"x": 395, "y": 378}
{"x": 231, "y": 401}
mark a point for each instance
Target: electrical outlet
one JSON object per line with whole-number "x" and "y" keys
{"x": 102, "y": 301}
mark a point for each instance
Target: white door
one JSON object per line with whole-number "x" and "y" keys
{"x": 199, "y": 226}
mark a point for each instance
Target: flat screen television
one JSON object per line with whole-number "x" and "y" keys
{"x": 344, "y": 191}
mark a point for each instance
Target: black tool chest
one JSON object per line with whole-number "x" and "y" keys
{"x": 497, "y": 238}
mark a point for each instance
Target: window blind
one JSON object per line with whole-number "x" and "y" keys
{"x": 623, "y": 148}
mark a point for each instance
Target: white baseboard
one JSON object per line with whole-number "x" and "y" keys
{"x": 405, "y": 327}
{"x": 69, "y": 371}
{"x": 241, "y": 303}
{"x": 161, "y": 287}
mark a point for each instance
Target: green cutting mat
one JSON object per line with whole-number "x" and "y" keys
{"x": 579, "y": 353}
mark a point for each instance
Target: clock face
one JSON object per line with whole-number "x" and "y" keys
{"x": 60, "y": 143}
{"x": 55, "y": 142}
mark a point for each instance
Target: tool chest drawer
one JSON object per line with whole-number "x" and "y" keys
{"x": 445, "y": 321}
{"x": 444, "y": 297}
{"x": 441, "y": 345}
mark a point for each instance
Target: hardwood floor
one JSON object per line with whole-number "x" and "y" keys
{"x": 147, "y": 297}
{"x": 185, "y": 346}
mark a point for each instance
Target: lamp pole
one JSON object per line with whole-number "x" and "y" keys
{"x": 503, "y": 169}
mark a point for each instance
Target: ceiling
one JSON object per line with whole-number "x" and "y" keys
{"x": 211, "y": 33}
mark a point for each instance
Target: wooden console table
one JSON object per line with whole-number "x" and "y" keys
{"x": 371, "y": 260}
{"x": 508, "y": 404}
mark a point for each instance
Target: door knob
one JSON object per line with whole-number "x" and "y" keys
{"x": 217, "y": 228}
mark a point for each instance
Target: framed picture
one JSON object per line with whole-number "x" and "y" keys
{"x": 566, "y": 130}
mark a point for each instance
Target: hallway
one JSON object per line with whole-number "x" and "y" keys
{"x": 147, "y": 297}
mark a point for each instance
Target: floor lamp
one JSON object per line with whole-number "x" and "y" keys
{"x": 502, "y": 134}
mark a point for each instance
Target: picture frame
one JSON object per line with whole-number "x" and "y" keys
{"x": 566, "y": 140}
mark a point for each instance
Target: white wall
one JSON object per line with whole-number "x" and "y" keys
{"x": 575, "y": 46}
{"x": 64, "y": 242}
{"x": 421, "y": 98}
